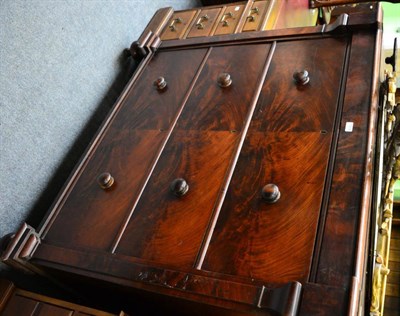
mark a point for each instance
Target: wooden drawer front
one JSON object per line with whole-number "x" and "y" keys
{"x": 288, "y": 144}
{"x": 230, "y": 19}
{"x": 24, "y": 306}
{"x": 205, "y": 23}
{"x": 18, "y": 305}
{"x": 91, "y": 217}
{"x": 178, "y": 25}
{"x": 16, "y": 302}
{"x": 256, "y": 16}
{"x": 168, "y": 229}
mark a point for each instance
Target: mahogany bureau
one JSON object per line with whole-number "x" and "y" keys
{"x": 234, "y": 173}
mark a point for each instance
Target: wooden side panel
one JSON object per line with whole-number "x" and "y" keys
{"x": 321, "y": 300}
{"x": 288, "y": 144}
{"x": 340, "y": 234}
{"x": 170, "y": 230}
{"x": 91, "y": 216}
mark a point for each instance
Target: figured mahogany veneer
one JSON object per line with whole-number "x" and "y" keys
{"x": 183, "y": 158}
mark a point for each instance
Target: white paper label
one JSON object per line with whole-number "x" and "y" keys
{"x": 349, "y": 127}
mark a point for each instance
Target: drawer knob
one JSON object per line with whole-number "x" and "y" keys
{"x": 224, "y": 80}
{"x": 179, "y": 187}
{"x": 105, "y": 180}
{"x": 301, "y": 77}
{"x": 160, "y": 83}
{"x": 270, "y": 193}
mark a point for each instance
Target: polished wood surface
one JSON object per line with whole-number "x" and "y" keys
{"x": 271, "y": 242}
{"x": 169, "y": 229}
{"x": 341, "y": 222}
{"x": 127, "y": 151}
{"x": 288, "y": 141}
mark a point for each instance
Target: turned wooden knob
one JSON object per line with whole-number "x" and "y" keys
{"x": 137, "y": 51}
{"x": 160, "y": 83}
{"x": 179, "y": 187}
{"x": 224, "y": 80}
{"x": 270, "y": 193}
{"x": 105, "y": 180}
{"x": 301, "y": 77}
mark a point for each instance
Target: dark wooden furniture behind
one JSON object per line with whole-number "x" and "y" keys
{"x": 17, "y": 302}
{"x": 234, "y": 171}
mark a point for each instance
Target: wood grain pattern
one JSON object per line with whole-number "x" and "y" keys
{"x": 337, "y": 253}
{"x": 211, "y": 107}
{"x": 271, "y": 242}
{"x": 285, "y": 106}
{"x": 127, "y": 151}
{"x": 238, "y": 295}
{"x": 288, "y": 144}
{"x": 323, "y": 300}
{"x": 170, "y": 230}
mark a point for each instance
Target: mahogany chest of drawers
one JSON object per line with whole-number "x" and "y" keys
{"x": 234, "y": 172}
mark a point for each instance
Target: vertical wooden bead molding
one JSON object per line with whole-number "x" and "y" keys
{"x": 179, "y": 187}
{"x": 301, "y": 77}
{"x": 224, "y": 80}
{"x": 160, "y": 83}
{"x": 270, "y": 193}
{"x": 105, "y": 180}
